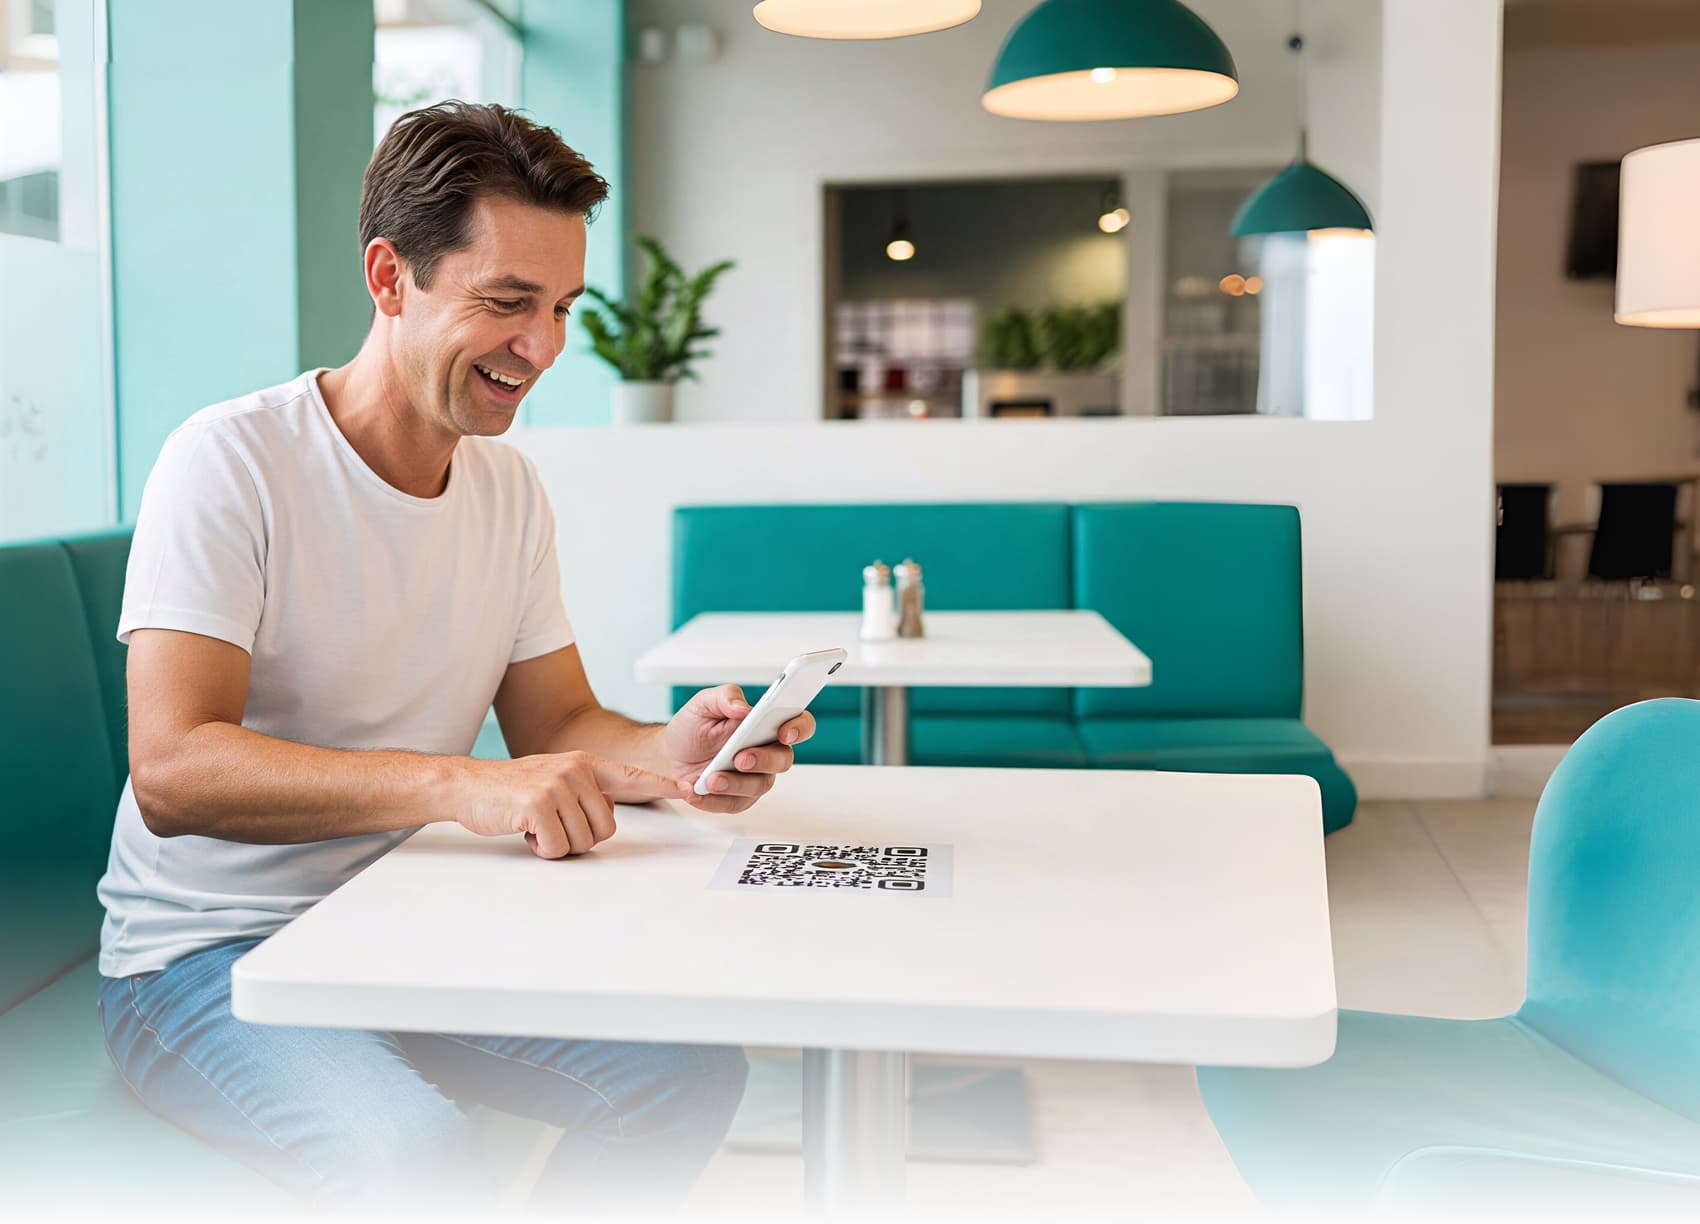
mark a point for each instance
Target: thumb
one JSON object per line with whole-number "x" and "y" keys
{"x": 724, "y": 701}
{"x": 623, "y": 779}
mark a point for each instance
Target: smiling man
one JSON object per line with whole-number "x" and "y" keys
{"x": 331, "y": 582}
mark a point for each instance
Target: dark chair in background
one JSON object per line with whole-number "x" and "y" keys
{"x": 1636, "y": 531}
{"x": 1523, "y": 545}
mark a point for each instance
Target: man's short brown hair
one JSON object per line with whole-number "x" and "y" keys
{"x": 434, "y": 163}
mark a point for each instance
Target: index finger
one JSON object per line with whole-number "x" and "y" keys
{"x": 623, "y": 779}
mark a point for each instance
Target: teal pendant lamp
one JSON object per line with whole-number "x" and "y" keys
{"x": 1303, "y": 197}
{"x": 1109, "y": 59}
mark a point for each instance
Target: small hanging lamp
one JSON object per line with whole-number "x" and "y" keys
{"x": 1109, "y": 59}
{"x": 1113, "y": 216}
{"x": 900, "y": 247}
{"x": 863, "y": 18}
{"x": 1303, "y": 197}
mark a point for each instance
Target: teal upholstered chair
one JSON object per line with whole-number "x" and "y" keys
{"x": 1004, "y": 555}
{"x": 1212, "y": 592}
{"x": 1588, "y": 1098}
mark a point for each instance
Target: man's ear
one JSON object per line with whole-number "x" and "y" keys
{"x": 386, "y": 279}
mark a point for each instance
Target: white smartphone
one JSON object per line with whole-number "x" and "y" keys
{"x": 788, "y": 697}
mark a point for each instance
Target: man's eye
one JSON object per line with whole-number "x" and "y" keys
{"x": 562, "y": 312}
{"x": 509, "y": 304}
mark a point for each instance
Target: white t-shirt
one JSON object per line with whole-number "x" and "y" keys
{"x": 373, "y": 619}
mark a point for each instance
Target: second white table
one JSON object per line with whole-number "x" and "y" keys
{"x": 1074, "y": 648}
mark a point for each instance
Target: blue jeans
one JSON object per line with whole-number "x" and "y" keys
{"x": 339, "y": 1116}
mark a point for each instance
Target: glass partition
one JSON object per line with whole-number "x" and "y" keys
{"x": 57, "y": 470}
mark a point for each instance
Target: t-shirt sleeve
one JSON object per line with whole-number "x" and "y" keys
{"x": 543, "y": 624}
{"x": 198, "y": 557}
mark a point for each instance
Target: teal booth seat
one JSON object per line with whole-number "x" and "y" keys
{"x": 809, "y": 559}
{"x": 1212, "y": 593}
{"x": 69, "y": 1129}
{"x": 1587, "y": 1099}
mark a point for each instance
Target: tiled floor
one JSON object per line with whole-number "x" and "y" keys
{"x": 1428, "y": 915}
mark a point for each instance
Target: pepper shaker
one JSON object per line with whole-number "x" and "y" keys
{"x": 879, "y": 617}
{"x": 909, "y": 599}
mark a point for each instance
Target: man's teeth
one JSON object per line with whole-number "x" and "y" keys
{"x": 501, "y": 378}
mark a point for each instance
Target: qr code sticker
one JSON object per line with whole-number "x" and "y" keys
{"x": 911, "y": 869}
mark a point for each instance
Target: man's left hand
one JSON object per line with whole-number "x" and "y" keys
{"x": 690, "y": 740}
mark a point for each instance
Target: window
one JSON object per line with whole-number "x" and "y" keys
{"x": 56, "y": 445}
{"x": 432, "y": 50}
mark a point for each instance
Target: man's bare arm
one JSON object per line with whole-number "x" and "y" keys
{"x": 546, "y": 704}
{"x": 196, "y": 770}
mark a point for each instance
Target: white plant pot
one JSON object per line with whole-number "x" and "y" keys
{"x": 642, "y": 403}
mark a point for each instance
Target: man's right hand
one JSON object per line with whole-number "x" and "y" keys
{"x": 559, "y": 801}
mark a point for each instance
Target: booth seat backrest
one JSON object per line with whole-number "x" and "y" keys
{"x": 1003, "y": 555}
{"x": 1210, "y": 591}
{"x": 63, "y": 746}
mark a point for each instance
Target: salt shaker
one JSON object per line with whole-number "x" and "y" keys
{"x": 879, "y": 617}
{"x": 908, "y": 599}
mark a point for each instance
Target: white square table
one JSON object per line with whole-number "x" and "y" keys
{"x": 1075, "y": 648}
{"x": 1092, "y": 914}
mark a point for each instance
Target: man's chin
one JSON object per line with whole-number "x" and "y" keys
{"x": 487, "y": 420}
{"x": 491, "y": 424}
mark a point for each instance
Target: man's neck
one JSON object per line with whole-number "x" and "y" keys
{"x": 367, "y": 401}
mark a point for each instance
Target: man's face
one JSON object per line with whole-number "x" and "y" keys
{"x": 496, "y": 307}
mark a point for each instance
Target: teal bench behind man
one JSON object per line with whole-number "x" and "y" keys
{"x": 70, "y": 1132}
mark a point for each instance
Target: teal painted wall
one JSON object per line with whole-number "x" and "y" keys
{"x": 574, "y": 79}
{"x": 238, "y": 136}
{"x": 333, "y": 143}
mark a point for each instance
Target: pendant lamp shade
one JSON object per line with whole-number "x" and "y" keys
{"x": 863, "y": 18}
{"x": 1301, "y": 197}
{"x": 1109, "y": 59}
{"x": 1658, "y": 237}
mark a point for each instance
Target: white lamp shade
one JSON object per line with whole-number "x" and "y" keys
{"x": 1658, "y": 237}
{"x": 863, "y": 18}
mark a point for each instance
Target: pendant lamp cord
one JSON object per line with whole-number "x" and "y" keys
{"x": 1296, "y": 44}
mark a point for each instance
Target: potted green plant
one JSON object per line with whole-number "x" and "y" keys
{"x": 1009, "y": 341}
{"x": 1079, "y": 337}
{"x": 652, "y": 340}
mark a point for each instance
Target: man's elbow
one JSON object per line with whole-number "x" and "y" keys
{"x": 151, "y": 785}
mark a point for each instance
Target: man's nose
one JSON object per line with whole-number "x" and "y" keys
{"x": 537, "y": 345}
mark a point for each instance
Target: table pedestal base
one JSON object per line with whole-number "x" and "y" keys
{"x": 854, "y": 1118}
{"x": 885, "y": 726}
{"x": 957, "y": 1114}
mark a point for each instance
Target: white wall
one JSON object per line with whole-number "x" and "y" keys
{"x": 1577, "y": 397}
{"x": 1397, "y": 511}
{"x": 728, "y": 159}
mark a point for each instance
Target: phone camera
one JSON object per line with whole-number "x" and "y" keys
{"x": 835, "y": 667}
